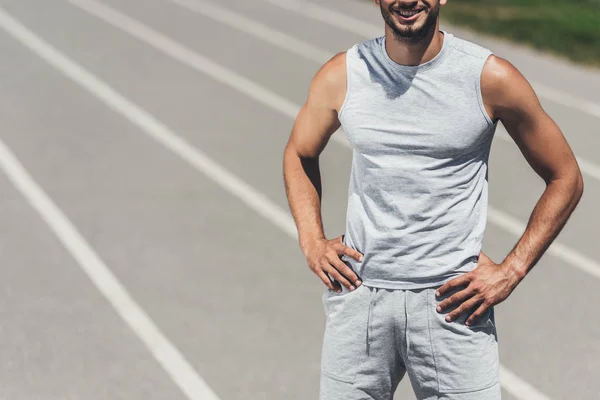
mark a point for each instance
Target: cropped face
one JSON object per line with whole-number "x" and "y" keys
{"x": 410, "y": 20}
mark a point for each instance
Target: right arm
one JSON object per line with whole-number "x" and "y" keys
{"x": 314, "y": 125}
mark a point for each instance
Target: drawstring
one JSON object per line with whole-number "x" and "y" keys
{"x": 371, "y": 301}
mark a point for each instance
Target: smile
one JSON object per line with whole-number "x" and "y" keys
{"x": 408, "y": 15}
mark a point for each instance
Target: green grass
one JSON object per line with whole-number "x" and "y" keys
{"x": 566, "y": 27}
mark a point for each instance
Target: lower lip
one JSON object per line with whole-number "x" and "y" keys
{"x": 411, "y": 18}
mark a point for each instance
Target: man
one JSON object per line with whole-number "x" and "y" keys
{"x": 409, "y": 290}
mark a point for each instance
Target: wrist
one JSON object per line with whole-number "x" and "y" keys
{"x": 308, "y": 244}
{"x": 515, "y": 272}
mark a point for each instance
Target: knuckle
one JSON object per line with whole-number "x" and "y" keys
{"x": 340, "y": 266}
{"x": 330, "y": 254}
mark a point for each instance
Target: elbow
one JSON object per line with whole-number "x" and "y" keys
{"x": 290, "y": 151}
{"x": 293, "y": 157}
{"x": 572, "y": 184}
{"x": 576, "y": 184}
{"x": 300, "y": 153}
{"x": 579, "y": 191}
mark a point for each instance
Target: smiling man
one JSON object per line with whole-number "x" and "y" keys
{"x": 408, "y": 289}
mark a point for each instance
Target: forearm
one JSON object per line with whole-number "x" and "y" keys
{"x": 302, "y": 180}
{"x": 547, "y": 220}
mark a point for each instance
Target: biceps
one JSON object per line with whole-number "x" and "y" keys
{"x": 312, "y": 129}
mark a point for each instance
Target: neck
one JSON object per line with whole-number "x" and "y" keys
{"x": 407, "y": 53}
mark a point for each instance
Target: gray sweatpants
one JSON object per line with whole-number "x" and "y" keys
{"x": 374, "y": 336}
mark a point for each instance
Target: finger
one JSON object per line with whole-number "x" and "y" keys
{"x": 464, "y": 307}
{"x": 350, "y": 252}
{"x": 346, "y": 271}
{"x": 335, "y": 274}
{"x": 477, "y": 314}
{"x": 327, "y": 281}
{"x": 462, "y": 280}
{"x": 456, "y": 298}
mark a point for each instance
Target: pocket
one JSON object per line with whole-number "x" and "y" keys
{"x": 466, "y": 357}
{"x": 344, "y": 341}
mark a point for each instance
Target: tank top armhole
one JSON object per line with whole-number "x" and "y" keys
{"x": 480, "y": 95}
{"x": 349, "y": 56}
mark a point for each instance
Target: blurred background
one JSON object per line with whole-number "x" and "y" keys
{"x": 147, "y": 249}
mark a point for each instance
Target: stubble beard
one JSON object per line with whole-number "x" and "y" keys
{"x": 408, "y": 34}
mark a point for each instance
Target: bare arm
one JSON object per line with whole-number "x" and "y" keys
{"x": 509, "y": 98}
{"x": 546, "y": 150}
{"x": 316, "y": 122}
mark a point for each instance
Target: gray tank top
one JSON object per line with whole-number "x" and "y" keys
{"x": 417, "y": 199}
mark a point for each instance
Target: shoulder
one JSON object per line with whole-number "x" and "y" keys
{"x": 333, "y": 75}
{"x": 328, "y": 85}
{"x": 333, "y": 72}
{"x": 498, "y": 70}
{"x": 499, "y": 78}
{"x": 504, "y": 88}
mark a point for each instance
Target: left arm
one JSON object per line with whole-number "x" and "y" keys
{"x": 510, "y": 98}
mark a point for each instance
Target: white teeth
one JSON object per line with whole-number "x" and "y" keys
{"x": 408, "y": 13}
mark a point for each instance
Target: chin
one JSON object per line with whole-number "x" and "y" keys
{"x": 409, "y": 29}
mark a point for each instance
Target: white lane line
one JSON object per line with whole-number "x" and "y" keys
{"x": 567, "y": 100}
{"x": 256, "y": 29}
{"x": 303, "y": 49}
{"x": 558, "y": 250}
{"x": 330, "y": 17}
{"x": 188, "y": 57}
{"x": 354, "y": 25}
{"x": 235, "y": 81}
{"x": 167, "y": 355}
{"x": 587, "y": 167}
{"x": 518, "y": 388}
{"x": 194, "y": 60}
{"x": 175, "y": 364}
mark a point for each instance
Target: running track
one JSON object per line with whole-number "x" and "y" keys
{"x": 147, "y": 250}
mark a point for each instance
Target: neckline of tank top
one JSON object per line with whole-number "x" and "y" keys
{"x": 421, "y": 67}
